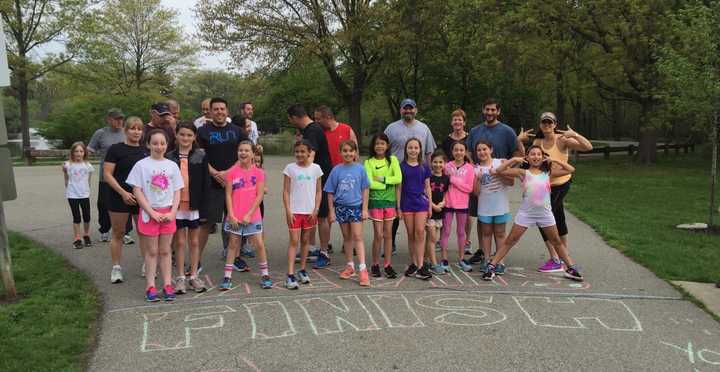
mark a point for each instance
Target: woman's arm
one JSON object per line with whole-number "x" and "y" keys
{"x": 65, "y": 174}
{"x": 563, "y": 170}
{"x": 108, "y": 169}
{"x": 574, "y": 141}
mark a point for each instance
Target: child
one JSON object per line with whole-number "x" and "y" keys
{"x": 156, "y": 183}
{"x": 535, "y": 208}
{"x": 245, "y": 248}
{"x": 383, "y": 170}
{"x": 244, "y": 189}
{"x": 462, "y": 179}
{"x": 414, "y": 205}
{"x": 347, "y": 188}
{"x": 77, "y": 171}
{"x": 196, "y": 179}
{"x": 493, "y": 206}
{"x": 439, "y": 184}
{"x": 302, "y": 190}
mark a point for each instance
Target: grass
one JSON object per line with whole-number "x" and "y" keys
{"x": 635, "y": 208}
{"x": 52, "y": 326}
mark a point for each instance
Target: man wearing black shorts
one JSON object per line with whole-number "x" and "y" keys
{"x": 313, "y": 133}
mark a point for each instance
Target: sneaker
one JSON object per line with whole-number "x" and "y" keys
{"x": 168, "y": 293}
{"x": 104, "y": 237}
{"x": 304, "y": 277}
{"x": 197, "y": 285}
{"x": 313, "y": 252}
{"x": 468, "y": 248}
{"x": 116, "y": 275}
{"x": 240, "y": 265}
{"x": 127, "y": 240}
{"x": 445, "y": 266}
{"x": 423, "y": 273}
{"x": 225, "y": 284}
{"x": 375, "y": 271}
{"x": 77, "y": 244}
{"x": 390, "y": 272}
{"x": 573, "y": 274}
{"x": 437, "y": 269}
{"x": 477, "y": 257}
{"x": 411, "y": 270}
{"x": 490, "y": 273}
{"x": 180, "y": 286}
{"x": 551, "y": 266}
{"x": 247, "y": 251}
{"x": 87, "y": 241}
{"x": 151, "y": 295}
{"x": 322, "y": 261}
{"x": 291, "y": 283}
{"x": 483, "y": 266}
{"x": 500, "y": 269}
{"x": 330, "y": 248}
{"x": 266, "y": 282}
{"x": 347, "y": 273}
{"x": 465, "y": 266}
{"x": 364, "y": 278}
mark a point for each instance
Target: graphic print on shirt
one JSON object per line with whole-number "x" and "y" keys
{"x": 239, "y": 183}
{"x": 438, "y": 186}
{"x": 489, "y": 182}
{"x": 347, "y": 183}
{"x": 537, "y": 188}
{"x": 159, "y": 182}
{"x": 218, "y": 137}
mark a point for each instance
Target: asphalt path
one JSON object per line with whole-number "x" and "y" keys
{"x": 621, "y": 318}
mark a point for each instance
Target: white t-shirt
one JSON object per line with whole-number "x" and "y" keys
{"x": 78, "y": 186}
{"x": 158, "y": 180}
{"x": 254, "y": 134}
{"x": 493, "y": 199}
{"x": 303, "y": 183}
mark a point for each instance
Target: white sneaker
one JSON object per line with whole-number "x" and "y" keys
{"x": 116, "y": 275}
{"x": 127, "y": 240}
{"x": 105, "y": 237}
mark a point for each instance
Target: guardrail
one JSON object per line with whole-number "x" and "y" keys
{"x": 632, "y": 149}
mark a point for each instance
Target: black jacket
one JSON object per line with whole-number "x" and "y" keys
{"x": 199, "y": 176}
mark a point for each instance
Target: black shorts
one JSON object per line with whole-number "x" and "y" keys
{"x": 115, "y": 203}
{"x": 190, "y": 224}
{"x": 214, "y": 205}
{"x": 473, "y": 205}
{"x": 324, "y": 208}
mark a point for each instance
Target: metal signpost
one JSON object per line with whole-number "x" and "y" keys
{"x": 7, "y": 180}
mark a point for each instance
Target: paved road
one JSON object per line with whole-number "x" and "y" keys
{"x": 621, "y": 318}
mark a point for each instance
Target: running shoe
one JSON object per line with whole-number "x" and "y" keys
{"x": 104, "y": 237}
{"x": 291, "y": 283}
{"x": 390, "y": 272}
{"x": 151, "y": 295}
{"x": 375, "y": 271}
{"x": 180, "y": 286}
{"x": 573, "y": 274}
{"x": 225, "y": 284}
{"x": 468, "y": 248}
{"x": 483, "y": 266}
{"x": 87, "y": 241}
{"x": 197, "y": 285}
{"x": 551, "y": 266}
{"x": 477, "y": 257}
{"x": 411, "y": 270}
{"x": 330, "y": 248}
{"x": 322, "y": 261}
{"x": 500, "y": 269}
{"x": 247, "y": 251}
{"x": 77, "y": 244}
{"x": 116, "y": 275}
{"x": 168, "y": 293}
{"x": 490, "y": 273}
{"x": 128, "y": 240}
{"x": 266, "y": 282}
{"x": 445, "y": 266}
{"x": 464, "y": 266}
{"x": 347, "y": 273}
{"x": 364, "y": 278}
{"x": 423, "y": 273}
{"x": 240, "y": 265}
{"x": 437, "y": 269}
{"x": 304, "y": 277}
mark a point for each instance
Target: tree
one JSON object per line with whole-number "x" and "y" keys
{"x": 29, "y": 26}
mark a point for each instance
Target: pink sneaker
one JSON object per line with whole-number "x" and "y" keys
{"x": 347, "y": 273}
{"x": 550, "y": 267}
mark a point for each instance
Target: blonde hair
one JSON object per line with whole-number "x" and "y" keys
{"x": 72, "y": 149}
{"x": 130, "y": 122}
{"x": 460, "y": 113}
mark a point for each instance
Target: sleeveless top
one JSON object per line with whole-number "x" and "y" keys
{"x": 536, "y": 194}
{"x": 334, "y": 139}
{"x": 556, "y": 154}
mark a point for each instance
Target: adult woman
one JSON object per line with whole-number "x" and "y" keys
{"x": 121, "y": 203}
{"x": 557, "y": 144}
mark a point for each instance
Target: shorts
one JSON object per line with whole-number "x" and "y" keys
{"x": 302, "y": 222}
{"x": 382, "y": 214}
{"x": 251, "y": 228}
{"x": 348, "y": 213}
{"x": 499, "y": 219}
{"x": 115, "y": 203}
{"x": 434, "y": 223}
{"x": 324, "y": 209}
{"x": 525, "y": 220}
{"x": 214, "y": 204}
{"x": 149, "y": 227}
{"x": 473, "y": 205}
{"x": 189, "y": 219}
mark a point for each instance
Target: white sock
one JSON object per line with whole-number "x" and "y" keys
{"x": 362, "y": 267}
{"x": 117, "y": 267}
{"x": 351, "y": 264}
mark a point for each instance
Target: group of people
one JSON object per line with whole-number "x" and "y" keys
{"x": 178, "y": 180}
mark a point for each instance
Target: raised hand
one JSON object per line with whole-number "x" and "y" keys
{"x": 525, "y": 135}
{"x": 569, "y": 133}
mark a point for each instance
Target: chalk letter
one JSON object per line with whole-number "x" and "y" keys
{"x": 401, "y": 314}
{"x": 462, "y": 310}
{"x": 612, "y": 315}
{"x": 328, "y": 317}
{"x": 270, "y": 320}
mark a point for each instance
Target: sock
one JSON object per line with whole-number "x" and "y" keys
{"x": 228, "y": 270}
{"x": 291, "y": 276}
{"x": 77, "y": 237}
{"x": 351, "y": 264}
{"x": 117, "y": 267}
{"x": 303, "y": 271}
{"x": 263, "y": 268}
{"x": 574, "y": 267}
{"x": 386, "y": 264}
{"x": 556, "y": 260}
{"x": 362, "y": 267}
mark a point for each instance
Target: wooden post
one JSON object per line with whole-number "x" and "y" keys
{"x": 5, "y": 261}
{"x": 631, "y": 149}
{"x": 607, "y": 152}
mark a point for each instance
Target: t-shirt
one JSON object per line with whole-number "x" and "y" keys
{"x": 303, "y": 184}
{"x": 244, "y": 190}
{"x": 158, "y": 179}
{"x": 438, "y": 186}
{"x": 493, "y": 199}
{"x": 536, "y": 194}
{"x": 412, "y": 193}
{"x": 501, "y": 136}
{"x": 334, "y": 138}
{"x": 447, "y": 146}
{"x": 314, "y": 134}
{"x": 78, "y": 185}
{"x": 169, "y": 131}
{"x": 254, "y": 134}
{"x": 398, "y": 133}
{"x": 382, "y": 194}
{"x": 220, "y": 144}
{"x": 346, "y": 183}
{"x": 101, "y": 141}
{"x": 124, "y": 157}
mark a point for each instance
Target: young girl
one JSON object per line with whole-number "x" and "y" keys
{"x": 439, "y": 184}
{"x": 244, "y": 189}
{"x": 347, "y": 188}
{"x": 196, "y": 179}
{"x": 462, "y": 179}
{"x": 302, "y": 190}
{"x": 535, "y": 208}
{"x": 156, "y": 183}
{"x": 414, "y": 205}
{"x": 246, "y": 249}
{"x": 493, "y": 206}
{"x": 383, "y": 170}
{"x": 77, "y": 171}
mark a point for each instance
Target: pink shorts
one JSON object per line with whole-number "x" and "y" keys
{"x": 302, "y": 222}
{"x": 149, "y": 227}
{"x": 382, "y": 214}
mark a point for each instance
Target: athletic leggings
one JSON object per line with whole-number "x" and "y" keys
{"x": 557, "y": 196}
{"x": 461, "y": 216}
{"x": 76, "y": 205}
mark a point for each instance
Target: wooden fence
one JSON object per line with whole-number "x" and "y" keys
{"x": 632, "y": 149}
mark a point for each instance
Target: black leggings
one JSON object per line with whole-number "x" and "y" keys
{"x": 557, "y": 196}
{"x": 76, "y": 205}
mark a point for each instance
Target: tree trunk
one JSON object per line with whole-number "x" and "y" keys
{"x": 647, "y": 151}
{"x": 713, "y": 170}
{"x": 560, "y": 97}
{"x": 354, "y": 103}
{"x": 23, "y": 97}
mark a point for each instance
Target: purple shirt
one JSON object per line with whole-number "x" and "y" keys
{"x": 413, "y": 198}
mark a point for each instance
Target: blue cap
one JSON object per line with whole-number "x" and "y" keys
{"x": 408, "y": 102}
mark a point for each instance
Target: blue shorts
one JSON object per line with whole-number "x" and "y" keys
{"x": 503, "y": 218}
{"x": 348, "y": 214}
{"x": 251, "y": 228}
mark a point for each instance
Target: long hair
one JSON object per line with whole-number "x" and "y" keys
{"x": 544, "y": 166}
{"x": 466, "y": 159}
{"x": 72, "y": 149}
{"x": 371, "y": 149}
{"x": 420, "y": 156}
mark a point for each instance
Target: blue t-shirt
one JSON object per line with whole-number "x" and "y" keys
{"x": 501, "y": 136}
{"x": 346, "y": 183}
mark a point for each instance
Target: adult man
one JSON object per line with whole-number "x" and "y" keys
{"x": 161, "y": 118}
{"x": 206, "y": 114}
{"x": 174, "y": 107}
{"x": 246, "y": 110}
{"x": 335, "y": 132}
{"x": 99, "y": 143}
{"x": 402, "y": 130}
{"x": 313, "y": 133}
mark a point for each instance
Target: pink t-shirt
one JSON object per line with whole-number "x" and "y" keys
{"x": 244, "y": 190}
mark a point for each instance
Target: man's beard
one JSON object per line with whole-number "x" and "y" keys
{"x": 408, "y": 117}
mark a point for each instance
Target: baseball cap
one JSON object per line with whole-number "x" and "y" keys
{"x": 408, "y": 102}
{"x": 161, "y": 108}
{"x": 548, "y": 116}
{"x": 115, "y": 113}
